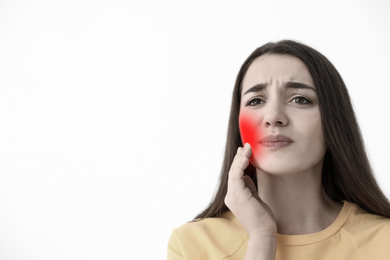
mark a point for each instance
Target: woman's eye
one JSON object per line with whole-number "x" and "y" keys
{"x": 254, "y": 102}
{"x": 301, "y": 100}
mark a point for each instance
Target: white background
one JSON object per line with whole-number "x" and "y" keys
{"x": 113, "y": 114}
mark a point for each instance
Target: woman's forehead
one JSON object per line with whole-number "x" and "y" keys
{"x": 271, "y": 68}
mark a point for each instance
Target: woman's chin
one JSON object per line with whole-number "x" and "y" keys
{"x": 274, "y": 168}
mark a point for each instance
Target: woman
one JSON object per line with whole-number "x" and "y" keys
{"x": 296, "y": 182}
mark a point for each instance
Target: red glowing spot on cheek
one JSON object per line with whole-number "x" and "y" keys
{"x": 250, "y": 132}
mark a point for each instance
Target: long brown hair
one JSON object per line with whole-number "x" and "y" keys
{"x": 346, "y": 173}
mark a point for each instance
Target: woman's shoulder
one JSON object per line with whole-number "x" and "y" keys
{"x": 361, "y": 221}
{"x": 208, "y": 238}
{"x": 213, "y": 226}
{"x": 369, "y": 233}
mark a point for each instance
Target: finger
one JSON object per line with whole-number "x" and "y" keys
{"x": 250, "y": 184}
{"x": 247, "y": 150}
{"x": 252, "y": 188}
{"x": 240, "y": 162}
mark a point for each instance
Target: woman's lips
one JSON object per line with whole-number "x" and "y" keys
{"x": 276, "y": 141}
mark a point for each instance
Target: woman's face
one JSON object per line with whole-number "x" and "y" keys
{"x": 280, "y": 116}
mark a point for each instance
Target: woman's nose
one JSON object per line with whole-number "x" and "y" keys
{"x": 275, "y": 115}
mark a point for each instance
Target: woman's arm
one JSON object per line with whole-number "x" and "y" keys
{"x": 254, "y": 215}
{"x": 173, "y": 252}
{"x": 261, "y": 248}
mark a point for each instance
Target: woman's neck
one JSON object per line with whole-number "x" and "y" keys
{"x": 298, "y": 201}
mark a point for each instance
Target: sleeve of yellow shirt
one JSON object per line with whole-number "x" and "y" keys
{"x": 173, "y": 252}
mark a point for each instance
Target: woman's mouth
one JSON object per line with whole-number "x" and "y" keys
{"x": 276, "y": 141}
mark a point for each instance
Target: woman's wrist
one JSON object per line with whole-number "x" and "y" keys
{"x": 261, "y": 247}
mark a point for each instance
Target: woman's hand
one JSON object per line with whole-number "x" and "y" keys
{"x": 244, "y": 202}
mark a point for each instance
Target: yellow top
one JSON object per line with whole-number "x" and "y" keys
{"x": 355, "y": 234}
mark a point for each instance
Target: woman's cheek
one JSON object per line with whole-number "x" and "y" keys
{"x": 250, "y": 133}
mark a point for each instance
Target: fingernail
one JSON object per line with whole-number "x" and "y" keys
{"x": 246, "y": 145}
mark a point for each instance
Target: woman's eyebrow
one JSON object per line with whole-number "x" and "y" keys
{"x": 292, "y": 84}
{"x": 256, "y": 88}
{"x": 289, "y": 84}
